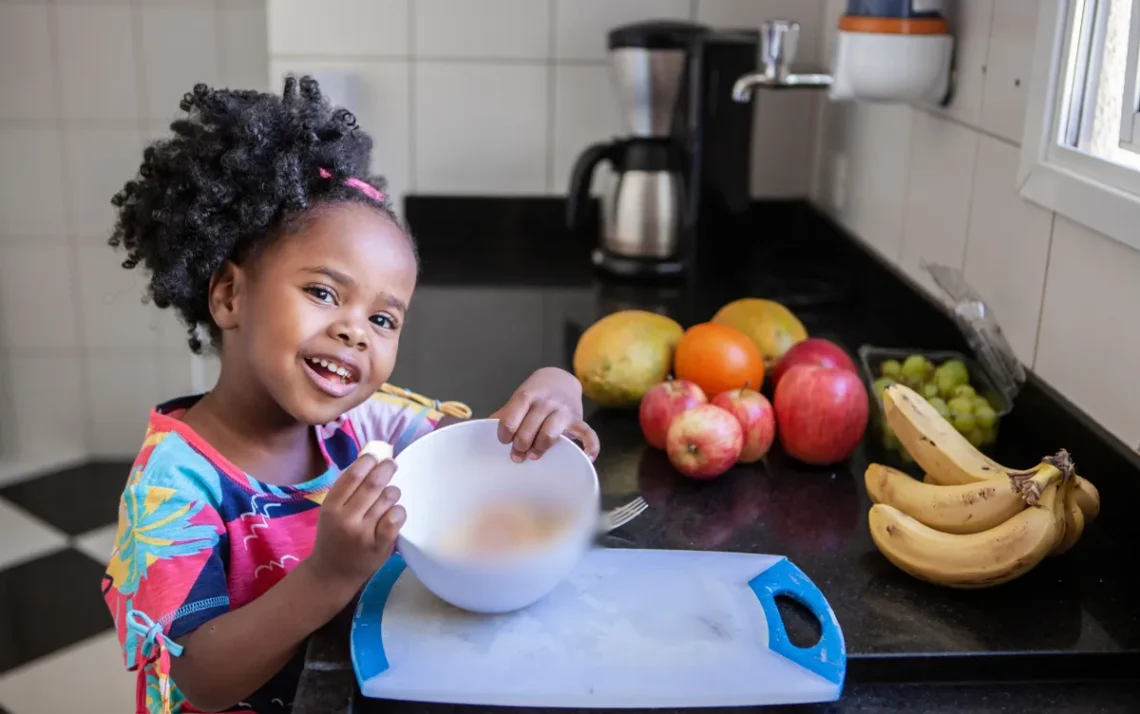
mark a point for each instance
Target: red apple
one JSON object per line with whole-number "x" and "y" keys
{"x": 822, "y": 413}
{"x": 704, "y": 442}
{"x": 661, "y": 405}
{"x": 814, "y": 350}
{"x": 754, "y": 412}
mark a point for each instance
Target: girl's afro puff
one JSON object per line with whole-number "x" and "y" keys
{"x": 237, "y": 173}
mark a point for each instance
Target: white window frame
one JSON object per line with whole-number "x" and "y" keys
{"x": 1091, "y": 191}
{"x": 1130, "y": 107}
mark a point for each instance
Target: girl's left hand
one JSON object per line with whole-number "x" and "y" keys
{"x": 547, "y": 405}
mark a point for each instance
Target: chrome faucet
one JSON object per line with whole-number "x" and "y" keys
{"x": 778, "y": 44}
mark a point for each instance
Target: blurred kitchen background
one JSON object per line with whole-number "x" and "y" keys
{"x": 495, "y": 97}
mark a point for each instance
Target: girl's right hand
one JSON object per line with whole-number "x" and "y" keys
{"x": 358, "y": 524}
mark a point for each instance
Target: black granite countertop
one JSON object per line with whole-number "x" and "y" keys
{"x": 505, "y": 291}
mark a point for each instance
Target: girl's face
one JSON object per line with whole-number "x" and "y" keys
{"x": 316, "y": 318}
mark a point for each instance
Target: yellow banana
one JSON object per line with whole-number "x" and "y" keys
{"x": 1087, "y": 497}
{"x": 1074, "y": 521}
{"x": 976, "y": 560}
{"x": 945, "y": 455}
{"x": 967, "y": 508}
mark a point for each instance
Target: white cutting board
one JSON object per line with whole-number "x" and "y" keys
{"x": 629, "y": 628}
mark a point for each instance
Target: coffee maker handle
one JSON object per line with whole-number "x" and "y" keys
{"x": 580, "y": 178}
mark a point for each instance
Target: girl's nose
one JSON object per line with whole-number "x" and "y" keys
{"x": 350, "y": 336}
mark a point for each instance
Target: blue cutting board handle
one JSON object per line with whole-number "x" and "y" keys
{"x": 828, "y": 657}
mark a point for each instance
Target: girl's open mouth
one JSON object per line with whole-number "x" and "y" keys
{"x": 331, "y": 377}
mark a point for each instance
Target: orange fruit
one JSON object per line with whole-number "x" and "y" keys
{"x": 718, "y": 358}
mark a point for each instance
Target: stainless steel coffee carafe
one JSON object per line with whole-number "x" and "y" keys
{"x": 642, "y": 213}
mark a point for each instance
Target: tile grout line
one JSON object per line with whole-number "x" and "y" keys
{"x": 1044, "y": 290}
{"x": 142, "y": 121}
{"x": 970, "y": 206}
{"x": 551, "y": 94}
{"x": 413, "y": 172}
{"x": 939, "y": 113}
{"x": 79, "y": 314}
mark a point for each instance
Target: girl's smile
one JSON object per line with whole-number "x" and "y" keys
{"x": 335, "y": 376}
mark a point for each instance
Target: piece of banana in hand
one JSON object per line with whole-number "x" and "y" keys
{"x": 380, "y": 450}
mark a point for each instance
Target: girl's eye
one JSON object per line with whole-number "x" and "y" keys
{"x": 322, "y": 294}
{"x": 384, "y": 322}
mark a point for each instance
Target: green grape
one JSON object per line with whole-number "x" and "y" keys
{"x": 977, "y": 437}
{"x": 905, "y": 455}
{"x": 989, "y": 437}
{"x": 986, "y": 416}
{"x": 965, "y": 391}
{"x": 981, "y": 402}
{"x": 916, "y": 367}
{"x": 939, "y": 404}
{"x": 961, "y": 405}
{"x": 946, "y": 385}
{"x": 881, "y": 384}
{"x": 964, "y": 423}
{"x": 957, "y": 368}
{"x": 891, "y": 368}
{"x": 929, "y": 390}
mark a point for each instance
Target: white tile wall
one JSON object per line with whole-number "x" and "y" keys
{"x": 581, "y": 25}
{"x": 585, "y": 111}
{"x": 97, "y": 62}
{"x": 511, "y": 29}
{"x": 466, "y": 142}
{"x": 504, "y": 94}
{"x": 941, "y": 171}
{"x": 1092, "y": 356}
{"x": 1008, "y": 248}
{"x": 26, "y": 63}
{"x": 122, "y": 388}
{"x": 33, "y": 314}
{"x": 179, "y": 50}
{"x": 939, "y": 184}
{"x": 1012, "y": 35}
{"x": 82, "y": 359}
{"x": 33, "y": 173}
{"x": 372, "y": 28}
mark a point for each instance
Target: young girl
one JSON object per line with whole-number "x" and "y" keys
{"x": 250, "y": 518}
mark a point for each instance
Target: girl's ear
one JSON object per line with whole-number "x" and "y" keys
{"x": 226, "y": 291}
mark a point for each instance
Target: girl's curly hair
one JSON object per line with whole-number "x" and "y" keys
{"x": 239, "y": 171}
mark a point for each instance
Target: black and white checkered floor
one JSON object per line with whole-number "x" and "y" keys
{"x": 58, "y": 651}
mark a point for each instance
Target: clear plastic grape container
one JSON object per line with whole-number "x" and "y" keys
{"x": 871, "y": 360}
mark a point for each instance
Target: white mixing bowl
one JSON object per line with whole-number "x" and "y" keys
{"x": 445, "y": 478}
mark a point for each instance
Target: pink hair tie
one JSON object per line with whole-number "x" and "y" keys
{"x": 359, "y": 185}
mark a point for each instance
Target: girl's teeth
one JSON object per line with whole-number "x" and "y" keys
{"x": 339, "y": 371}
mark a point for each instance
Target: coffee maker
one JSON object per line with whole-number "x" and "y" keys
{"x": 683, "y": 170}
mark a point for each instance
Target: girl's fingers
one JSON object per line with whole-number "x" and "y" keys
{"x": 349, "y": 480}
{"x": 369, "y": 490}
{"x": 384, "y": 501}
{"x": 552, "y": 429}
{"x": 589, "y": 438}
{"x": 511, "y": 417}
{"x": 527, "y": 431}
{"x": 388, "y": 527}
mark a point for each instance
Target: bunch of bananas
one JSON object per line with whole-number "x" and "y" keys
{"x": 971, "y": 523}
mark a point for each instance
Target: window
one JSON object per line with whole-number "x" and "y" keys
{"x": 1079, "y": 155}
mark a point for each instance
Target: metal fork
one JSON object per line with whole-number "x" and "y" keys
{"x": 618, "y": 517}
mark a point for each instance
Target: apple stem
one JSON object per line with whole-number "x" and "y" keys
{"x": 692, "y": 448}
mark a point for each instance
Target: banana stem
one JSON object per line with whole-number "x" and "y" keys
{"x": 1063, "y": 462}
{"x": 1032, "y": 484}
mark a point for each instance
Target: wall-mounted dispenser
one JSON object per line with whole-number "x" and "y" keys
{"x": 884, "y": 51}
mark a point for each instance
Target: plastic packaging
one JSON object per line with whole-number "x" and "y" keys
{"x": 982, "y": 331}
